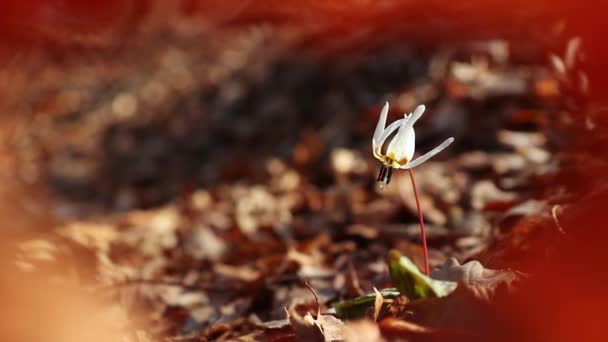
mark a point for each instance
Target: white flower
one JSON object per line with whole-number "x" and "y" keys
{"x": 400, "y": 150}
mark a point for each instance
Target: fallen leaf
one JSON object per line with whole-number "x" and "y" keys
{"x": 324, "y": 328}
{"x": 482, "y": 281}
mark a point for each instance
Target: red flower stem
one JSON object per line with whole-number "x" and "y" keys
{"x": 422, "y": 230}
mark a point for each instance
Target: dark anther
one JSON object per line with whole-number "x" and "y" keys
{"x": 385, "y": 174}
{"x": 388, "y": 176}
{"x": 382, "y": 173}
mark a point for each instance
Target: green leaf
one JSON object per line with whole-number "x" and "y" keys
{"x": 412, "y": 283}
{"x": 359, "y": 306}
{"x": 408, "y": 281}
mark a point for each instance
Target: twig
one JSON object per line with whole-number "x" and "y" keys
{"x": 422, "y": 230}
{"x": 316, "y": 298}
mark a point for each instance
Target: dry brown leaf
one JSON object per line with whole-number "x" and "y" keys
{"x": 482, "y": 281}
{"x": 324, "y": 328}
{"x": 331, "y": 327}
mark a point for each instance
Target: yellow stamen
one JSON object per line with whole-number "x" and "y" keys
{"x": 390, "y": 161}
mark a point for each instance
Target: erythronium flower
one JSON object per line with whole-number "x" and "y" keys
{"x": 399, "y": 153}
{"x": 400, "y": 150}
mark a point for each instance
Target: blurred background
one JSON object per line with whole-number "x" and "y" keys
{"x": 187, "y": 163}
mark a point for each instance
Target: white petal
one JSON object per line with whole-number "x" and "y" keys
{"x": 381, "y": 123}
{"x": 417, "y": 114}
{"x": 388, "y": 131}
{"x": 429, "y": 154}
{"x": 402, "y": 145}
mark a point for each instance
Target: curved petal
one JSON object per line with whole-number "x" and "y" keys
{"x": 417, "y": 114}
{"x": 389, "y": 130}
{"x": 403, "y": 144}
{"x": 377, "y": 144}
{"x": 429, "y": 154}
{"x": 381, "y": 123}
{"x": 376, "y": 150}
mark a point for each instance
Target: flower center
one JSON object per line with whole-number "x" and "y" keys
{"x": 390, "y": 161}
